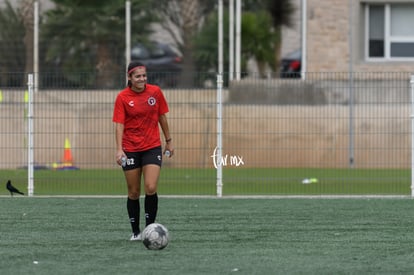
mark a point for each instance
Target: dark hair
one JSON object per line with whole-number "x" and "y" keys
{"x": 134, "y": 64}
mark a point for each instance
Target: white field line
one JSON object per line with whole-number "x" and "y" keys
{"x": 229, "y": 197}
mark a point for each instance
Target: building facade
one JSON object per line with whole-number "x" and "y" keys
{"x": 359, "y": 35}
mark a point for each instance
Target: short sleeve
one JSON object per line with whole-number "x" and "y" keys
{"x": 163, "y": 109}
{"x": 119, "y": 112}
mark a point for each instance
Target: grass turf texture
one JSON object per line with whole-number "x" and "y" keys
{"x": 209, "y": 236}
{"x": 237, "y": 181}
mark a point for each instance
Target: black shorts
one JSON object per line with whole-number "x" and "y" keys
{"x": 140, "y": 159}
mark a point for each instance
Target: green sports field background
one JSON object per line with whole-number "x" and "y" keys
{"x": 209, "y": 236}
{"x": 236, "y": 181}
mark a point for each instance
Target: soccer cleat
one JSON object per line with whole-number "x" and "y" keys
{"x": 136, "y": 237}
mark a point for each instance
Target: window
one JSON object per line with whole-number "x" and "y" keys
{"x": 389, "y": 31}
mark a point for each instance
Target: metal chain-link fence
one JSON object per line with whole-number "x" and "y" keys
{"x": 323, "y": 135}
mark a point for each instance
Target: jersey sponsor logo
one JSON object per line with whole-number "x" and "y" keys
{"x": 152, "y": 101}
{"x": 131, "y": 103}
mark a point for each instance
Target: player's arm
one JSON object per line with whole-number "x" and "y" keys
{"x": 166, "y": 130}
{"x": 119, "y": 131}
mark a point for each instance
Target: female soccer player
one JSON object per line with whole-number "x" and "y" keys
{"x": 138, "y": 111}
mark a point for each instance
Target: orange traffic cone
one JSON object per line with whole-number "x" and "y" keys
{"x": 67, "y": 154}
{"x": 67, "y": 162}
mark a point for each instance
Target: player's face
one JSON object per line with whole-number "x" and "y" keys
{"x": 138, "y": 79}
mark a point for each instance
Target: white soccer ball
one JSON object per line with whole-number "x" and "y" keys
{"x": 155, "y": 236}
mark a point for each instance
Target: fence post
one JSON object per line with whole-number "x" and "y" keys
{"x": 127, "y": 33}
{"x": 218, "y": 154}
{"x": 412, "y": 135}
{"x": 30, "y": 159}
{"x": 36, "y": 45}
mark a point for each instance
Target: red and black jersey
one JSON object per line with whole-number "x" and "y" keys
{"x": 139, "y": 112}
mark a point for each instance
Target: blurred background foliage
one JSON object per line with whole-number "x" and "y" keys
{"x": 12, "y": 48}
{"x": 82, "y": 42}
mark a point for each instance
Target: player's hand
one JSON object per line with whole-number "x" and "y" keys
{"x": 119, "y": 156}
{"x": 169, "y": 150}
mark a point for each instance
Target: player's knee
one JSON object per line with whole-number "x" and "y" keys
{"x": 133, "y": 195}
{"x": 151, "y": 189}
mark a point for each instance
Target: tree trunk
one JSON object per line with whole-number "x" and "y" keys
{"x": 278, "y": 48}
{"x": 106, "y": 69}
{"x": 190, "y": 14}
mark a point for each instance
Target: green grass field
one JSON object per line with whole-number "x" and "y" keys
{"x": 237, "y": 181}
{"x": 209, "y": 236}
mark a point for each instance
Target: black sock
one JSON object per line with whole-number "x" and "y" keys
{"x": 151, "y": 207}
{"x": 133, "y": 213}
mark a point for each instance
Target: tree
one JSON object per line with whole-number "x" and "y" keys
{"x": 281, "y": 12}
{"x": 12, "y": 53}
{"x": 88, "y": 36}
{"x": 257, "y": 41}
{"x": 260, "y": 32}
{"x": 182, "y": 19}
{"x": 27, "y": 16}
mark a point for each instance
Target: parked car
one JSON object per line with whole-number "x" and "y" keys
{"x": 163, "y": 64}
{"x": 290, "y": 65}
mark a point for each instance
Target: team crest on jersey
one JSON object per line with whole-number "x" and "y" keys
{"x": 152, "y": 101}
{"x": 131, "y": 103}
